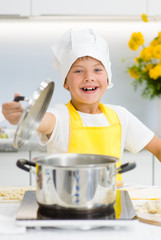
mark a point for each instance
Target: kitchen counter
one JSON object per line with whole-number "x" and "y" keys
{"x": 133, "y": 229}
{"x": 6, "y": 145}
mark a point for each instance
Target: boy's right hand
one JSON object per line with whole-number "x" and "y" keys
{"x": 12, "y": 111}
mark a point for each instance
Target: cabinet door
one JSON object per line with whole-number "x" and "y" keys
{"x": 10, "y": 174}
{"x": 88, "y": 7}
{"x": 15, "y": 7}
{"x": 142, "y": 174}
{"x": 157, "y": 172}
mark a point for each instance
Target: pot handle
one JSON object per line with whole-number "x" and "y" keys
{"x": 126, "y": 167}
{"x": 21, "y": 163}
{"x": 20, "y": 98}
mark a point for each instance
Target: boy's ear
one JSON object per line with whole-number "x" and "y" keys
{"x": 66, "y": 85}
{"x": 107, "y": 83}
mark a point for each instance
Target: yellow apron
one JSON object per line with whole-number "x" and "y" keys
{"x": 117, "y": 204}
{"x": 95, "y": 140}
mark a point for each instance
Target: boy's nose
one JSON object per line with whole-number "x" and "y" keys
{"x": 88, "y": 76}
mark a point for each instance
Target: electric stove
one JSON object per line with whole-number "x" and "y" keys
{"x": 30, "y": 214}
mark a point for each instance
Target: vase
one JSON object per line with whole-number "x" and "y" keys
{"x": 159, "y": 116}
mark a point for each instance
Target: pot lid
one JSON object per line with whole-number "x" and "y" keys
{"x": 33, "y": 113}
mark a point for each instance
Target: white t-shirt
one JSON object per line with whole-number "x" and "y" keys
{"x": 134, "y": 135}
{"x": 1, "y": 116}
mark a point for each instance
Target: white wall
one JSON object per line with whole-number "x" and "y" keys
{"x": 26, "y": 60}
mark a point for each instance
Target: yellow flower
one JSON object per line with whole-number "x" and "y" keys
{"x": 133, "y": 46}
{"x": 154, "y": 42}
{"x": 144, "y": 17}
{"x": 157, "y": 52}
{"x": 148, "y": 67}
{"x": 159, "y": 34}
{"x": 155, "y": 72}
{"x": 146, "y": 54}
{"x": 134, "y": 73}
{"x": 136, "y": 40}
{"x": 157, "y": 40}
{"x": 137, "y": 59}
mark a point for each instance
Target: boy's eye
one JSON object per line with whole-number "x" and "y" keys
{"x": 78, "y": 71}
{"x": 98, "y": 70}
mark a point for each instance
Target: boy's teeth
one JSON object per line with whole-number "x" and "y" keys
{"x": 89, "y": 89}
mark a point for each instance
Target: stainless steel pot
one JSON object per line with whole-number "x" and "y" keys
{"x": 75, "y": 182}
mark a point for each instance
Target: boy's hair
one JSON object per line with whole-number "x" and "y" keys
{"x": 76, "y": 44}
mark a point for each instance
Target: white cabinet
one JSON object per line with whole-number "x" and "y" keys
{"x": 154, "y": 7}
{"x": 88, "y": 7}
{"x": 25, "y": 8}
{"x": 157, "y": 172}
{"x": 143, "y": 173}
{"x": 15, "y": 7}
{"x": 10, "y": 174}
{"x": 147, "y": 171}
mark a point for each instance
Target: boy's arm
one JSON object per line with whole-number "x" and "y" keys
{"x": 12, "y": 111}
{"x": 47, "y": 124}
{"x": 154, "y": 146}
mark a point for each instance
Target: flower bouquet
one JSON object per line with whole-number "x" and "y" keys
{"x": 146, "y": 70}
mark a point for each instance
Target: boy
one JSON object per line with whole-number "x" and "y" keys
{"x": 84, "y": 125}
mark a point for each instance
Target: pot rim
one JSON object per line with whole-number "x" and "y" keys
{"x": 68, "y": 160}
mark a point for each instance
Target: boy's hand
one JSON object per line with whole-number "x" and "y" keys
{"x": 12, "y": 111}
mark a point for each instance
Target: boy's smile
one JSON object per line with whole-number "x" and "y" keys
{"x": 87, "y": 81}
{"x": 89, "y": 89}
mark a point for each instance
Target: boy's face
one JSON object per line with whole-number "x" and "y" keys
{"x": 87, "y": 81}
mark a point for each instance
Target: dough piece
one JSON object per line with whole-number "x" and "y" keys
{"x": 14, "y": 193}
{"x": 153, "y": 206}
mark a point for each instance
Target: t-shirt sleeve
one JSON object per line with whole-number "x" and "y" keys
{"x": 137, "y": 134}
{"x": 59, "y": 135}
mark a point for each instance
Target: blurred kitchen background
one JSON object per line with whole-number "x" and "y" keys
{"x": 28, "y": 29}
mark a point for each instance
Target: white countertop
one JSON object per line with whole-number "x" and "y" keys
{"x": 132, "y": 229}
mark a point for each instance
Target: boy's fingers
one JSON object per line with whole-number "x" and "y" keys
{"x": 11, "y": 106}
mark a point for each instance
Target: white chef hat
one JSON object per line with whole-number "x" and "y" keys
{"x": 76, "y": 44}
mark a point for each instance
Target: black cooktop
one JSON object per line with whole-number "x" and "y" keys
{"x": 30, "y": 211}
